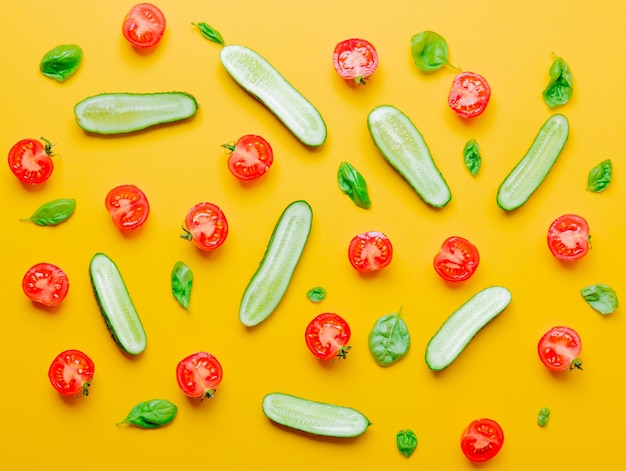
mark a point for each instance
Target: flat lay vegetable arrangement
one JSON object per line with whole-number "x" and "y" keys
{"x": 360, "y": 245}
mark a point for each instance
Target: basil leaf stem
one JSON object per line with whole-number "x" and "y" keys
{"x": 560, "y": 87}
{"x": 354, "y": 185}
{"x": 53, "y": 212}
{"x": 389, "y": 339}
{"x": 210, "y": 33}
{"x": 406, "y": 441}
{"x": 61, "y": 62}
{"x": 429, "y": 51}
{"x": 151, "y": 414}
{"x": 472, "y": 157}
{"x": 182, "y": 282}
{"x": 600, "y": 297}
{"x": 600, "y": 176}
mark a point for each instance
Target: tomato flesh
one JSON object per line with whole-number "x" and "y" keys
{"x": 355, "y": 60}
{"x": 30, "y": 161}
{"x": 128, "y": 206}
{"x": 559, "y": 349}
{"x": 568, "y": 237}
{"x": 206, "y": 226}
{"x": 457, "y": 260}
{"x": 199, "y": 375}
{"x": 370, "y": 251}
{"x": 469, "y": 94}
{"x": 250, "y": 157}
{"x": 481, "y": 440}
{"x": 71, "y": 373}
{"x": 327, "y": 336}
{"x": 144, "y": 25}
{"x": 46, "y": 284}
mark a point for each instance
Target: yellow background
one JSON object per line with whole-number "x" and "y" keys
{"x": 497, "y": 376}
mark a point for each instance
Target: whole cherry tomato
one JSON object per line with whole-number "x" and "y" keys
{"x": 559, "y": 349}
{"x": 46, "y": 284}
{"x": 206, "y": 226}
{"x": 30, "y": 161}
{"x": 355, "y": 60}
{"x": 144, "y": 25}
{"x": 327, "y": 336}
{"x": 469, "y": 95}
{"x": 250, "y": 157}
{"x": 457, "y": 260}
{"x": 128, "y": 207}
{"x": 568, "y": 237}
{"x": 481, "y": 440}
{"x": 71, "y": 373}
{"x": 370, "y": 251}
{"x": 199, "y": 375}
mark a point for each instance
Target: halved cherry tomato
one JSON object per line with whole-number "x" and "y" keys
{"x": 327, "y": 336}
{"x": 568, "y": 237}
{"x": 206, "y": 226}
{"x": 144, "y": 25}
{"x": 128, "y": 206}
{"x": 457, "y": 260}
{"x": 199, "y": 375}
{"x": 250, "y": 157}
{"x": 355, "y": 60}
{"x": 469, "y": 94}
{"x": 71, "y": 373}
{"x": 46, "y": 284}
{"x": 370, "y": 251}
{"x": 481, "y": 440}
{"x": 30, "y": 161}
{"x": 559, "y": 348}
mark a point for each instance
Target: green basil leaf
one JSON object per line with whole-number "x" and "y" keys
{"x": 182, "y": 282}
{"x": 151, "y": 414}
{"x": 389, "y": 339}
{"x": 53, "y": 212}
{"x": 560, "y": 87}
{"x": 406, "y": 441}
{"x": 600, "y": 176}
{"x": 210, "y": 33}
{"x": 600, "y": 297}
{"x": 61, "y": 62}
{"x": 353, "y": 184}
{"x": 316, "y": 294}
{"x": 543, "y": 417}
{"x": 429, "y": 51}
{"x": 472, "y": 157}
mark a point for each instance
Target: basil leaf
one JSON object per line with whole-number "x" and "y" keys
{"x": 210, "y": 33}
{"x": 406, "y": 441}
{"x": 182, "y": 282}
{"x": 389, "y": 339}
{"x": 429, "y": 51}
{"x": 316, "y": 294}
{"x": 472, "y": 157}
{"x": 543, "y": 417}
{"x": 61, "y": 62}
{"x": 353, "y": 184}
{"x": 53, "y": 212}
{"x": 560, "y": 88}
{"x": 600, "y": 176}
{"x": 151, "y": 414}
{"x": 601, "y": 297}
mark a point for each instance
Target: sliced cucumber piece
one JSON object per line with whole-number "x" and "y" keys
{"x": 116, "y": 305}
{"x": 269, "y": 283}
{"x": 402, "y": 145}
{"x": 259, "y": 78}
{"x": 534, "y": 167}
{"x": 461, "y": 327}
{"x": 314, "y": 417}
{"x": 117, "y": 113}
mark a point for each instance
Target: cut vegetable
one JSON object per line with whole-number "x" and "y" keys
{"x": 116, "y": 305}
{"x": 402, "y": 145}
{"x": 534, "y": 167}
{"x": 461, "y": 327}
{"x": 269, "y": 283}
{"x": 259, "y": 78}
{"x": 313, "y": 417}
{"x": 118, "y": 113}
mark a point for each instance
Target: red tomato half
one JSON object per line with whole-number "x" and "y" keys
{"x": 355, "y": 60}
{"x": 457, "y": 260}
{"x": 128, "y": 207}
{"x": 327, "y": 336}
{"x": 45, "y": 284}
{"x": 370, "y": 251}
{"x": 250, "y": 157}
{"x": 71, "y": 373}
{"x": 30, "y": 161}
{"x": 199, "y": 375}
{"x": 469, "y": 95}
{"x": 481, "y": 440}
{"x": 206, "y": 226}
{"x": 144, "y": 25}
{"x": 568, "y": 237}
{"x": 559, "y": 348}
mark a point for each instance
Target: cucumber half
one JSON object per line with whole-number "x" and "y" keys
{"x": 259, "y": 78}
{"x": 461, "y": 327}
{"x": 404, "y": 148}
{"x": 116, "y": 305}
{"x": 118, "y": 113}
{"x": 317, "y": 418}
{"x": 534, "y": 167}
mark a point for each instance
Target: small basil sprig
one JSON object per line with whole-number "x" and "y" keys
{"x": 600, "y": 176}
{"x": 151, "y": 414}
{"x": 210, "y": 33}
{"x": 316, "y": 295}
{"x": 561, "y": 86}
{"x": 53, "y": 212}
{"x": 429, "y": 51}
{"x": 182, "y": 282}
{"x": 472, "y": 157}
{"x": 543, "y": 417}
{"x": 354, "y": 185}
{"x": 61, "y": 62}
{"x": 389, "y": 339}
{"x": 600, "y": 297}
{"x": 406, "y": 441}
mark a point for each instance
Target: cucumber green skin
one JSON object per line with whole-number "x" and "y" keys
{"x": 105, "y": 280}
{"x": 463, "y": 324}
{"x": 316, "y": 418}
{"x": 119, "y": 113}
{"x": 271, "y": 280}
{"x": 260, "y": 79}
{"x": 536, "y": 164}
{"x": 416, "y": 164}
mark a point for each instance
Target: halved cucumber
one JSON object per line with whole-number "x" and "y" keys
{"x": 117, "y": 113}
{"x": 116, "y": 305}
{"x": 402, "y": 145}
{"x": 314, "y": 417}
{"x": 531, "y": 171}
{"x": 461, "y": 327}
{"x": 269, "y": 283}
{"x": 259, "y": 78}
